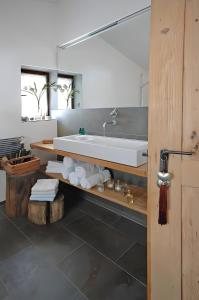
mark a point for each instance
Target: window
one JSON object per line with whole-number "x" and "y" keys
{"x": 64, "y": 99}
{"x": 34, "y": 101}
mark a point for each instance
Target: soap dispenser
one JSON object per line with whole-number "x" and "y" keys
{"x": 82, "y": 131}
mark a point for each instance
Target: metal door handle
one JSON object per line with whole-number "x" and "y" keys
{"x": 164, "y": 180}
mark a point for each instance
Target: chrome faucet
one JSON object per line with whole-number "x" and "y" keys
{"x": 112, "y": 121}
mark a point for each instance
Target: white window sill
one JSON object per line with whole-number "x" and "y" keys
{"x": 39, "y": 120}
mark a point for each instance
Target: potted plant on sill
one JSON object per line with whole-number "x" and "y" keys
{"x": 67, "y": 91}
{"x": 33, "y": 90}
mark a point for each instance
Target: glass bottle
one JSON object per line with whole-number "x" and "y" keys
{"x": 110, "y": 184}
{"x": 118, "y": 186}
{"x": 100, "y": 185}
{"x": 129, "y": 197}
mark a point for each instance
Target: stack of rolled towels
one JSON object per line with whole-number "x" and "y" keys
{"x": 79, "y": 173}
{"x": 44, "y": 190}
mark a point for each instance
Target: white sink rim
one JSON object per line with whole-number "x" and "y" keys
{"x": 100, "y": 147}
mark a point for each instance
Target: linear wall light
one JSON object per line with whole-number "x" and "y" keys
{"x": 103, "y": 29}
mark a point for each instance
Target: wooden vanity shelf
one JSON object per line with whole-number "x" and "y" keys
{"x": 139, "y": 171}
{"x": 140, "y": 194}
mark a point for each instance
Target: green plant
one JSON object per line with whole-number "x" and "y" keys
{"x": 38, "y": 94}
{"x": 67, "y": 91}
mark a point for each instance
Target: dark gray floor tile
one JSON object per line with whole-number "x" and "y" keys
{"x": 79, "y": 296}
{"x": 19, "y": 268}
{"x": 3, "y": 292}
{"x": 98, "y": 212}
{"x": 55, "y": 248}
{"x": 46, "y": 283}
{"x": 107, "y": 240}
{"x": 99, "y": 278}
{"x": 36, "y": 233}
{"x": 72, "y": 215}
{"x": 2, "y": 212}
{"x": 135, "y": 262}
{"x": 135, "y": 232}
{"x": 12, "y": 241}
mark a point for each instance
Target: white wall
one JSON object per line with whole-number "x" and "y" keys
{"x": 83, "y": 16}
{"x": 110, "y": 79}
{"x": 29, "y": 33}
{"x": 27, "y": 36}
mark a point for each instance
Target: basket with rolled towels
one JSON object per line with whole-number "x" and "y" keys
{"x": 79, "y": 173}
{"x": 44, "y": 190}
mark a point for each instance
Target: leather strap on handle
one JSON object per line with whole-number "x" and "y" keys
{"x": 162, "y": 220}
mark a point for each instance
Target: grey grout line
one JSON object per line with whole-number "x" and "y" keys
{"x": 120, "y": 267}
{"x": 63, "y": 224}
{"x": 10, "y": 220}
{"x": 125, "y": 251}
{"x": 83, "y": 242}
{"x": 110, "y": 226}
{"x": 72, "y": 283}
{"x": 100, "y": 220}
{"x": 73, "y": 251}
{"x": 27, "y": 237}
{"x": 5, "y": 287}
{"x": 121, "y": 216}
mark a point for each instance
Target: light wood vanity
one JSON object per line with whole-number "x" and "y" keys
{"x": 140, "y": 193}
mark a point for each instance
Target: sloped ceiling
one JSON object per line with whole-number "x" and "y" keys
{"x": 131, "y": 38}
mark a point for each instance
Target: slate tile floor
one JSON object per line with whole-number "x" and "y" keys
{"x": 91, "y": 254}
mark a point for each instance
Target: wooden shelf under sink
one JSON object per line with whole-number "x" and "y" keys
{"x": 139, "y": 193}
{"x": 139, "y": 171}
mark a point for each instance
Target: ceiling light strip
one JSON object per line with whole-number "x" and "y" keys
{"x": 103, "y": 29}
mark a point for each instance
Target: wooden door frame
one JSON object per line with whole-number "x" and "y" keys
{"x": 165, "y": 131}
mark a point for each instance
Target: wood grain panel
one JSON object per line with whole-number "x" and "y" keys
{"x": 165, "y": 131}
{"x": 190, "y": 166}
{"x": 190, "y": 243}
{"x": 190, "y": 172}
{"x": 191, "y": 77}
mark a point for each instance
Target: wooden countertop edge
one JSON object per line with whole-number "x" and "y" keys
{"x": 139, "y": 171}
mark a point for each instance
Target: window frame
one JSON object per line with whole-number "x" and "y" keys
{"x": 66, "y": 76}
{"x": 43, "y": 73}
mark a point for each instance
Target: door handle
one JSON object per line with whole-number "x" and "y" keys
{"x": 164, "y": 181}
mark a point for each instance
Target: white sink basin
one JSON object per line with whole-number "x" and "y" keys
{"x": 123, "y": 151}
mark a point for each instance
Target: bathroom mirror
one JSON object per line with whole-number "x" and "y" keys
{"x": 110, "y": 65}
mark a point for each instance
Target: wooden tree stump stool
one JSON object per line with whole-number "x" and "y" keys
{"x": 18, "y": 189}
{"x": 43, "y": 212}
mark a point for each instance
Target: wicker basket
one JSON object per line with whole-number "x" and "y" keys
{"x": 21, "y": 165}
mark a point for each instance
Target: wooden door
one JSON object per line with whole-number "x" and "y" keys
{"x": 173, "y": 249}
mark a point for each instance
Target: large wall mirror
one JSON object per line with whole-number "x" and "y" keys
{"x": 110, "y": 66}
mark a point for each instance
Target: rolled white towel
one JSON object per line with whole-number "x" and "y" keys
{"x": 66, "y": 172}
{"x": 99, "y": 168}
{"x": 106, "y": 175}
{"x": 91, "y": 181}
{"x": 73, "y": 178}
{"x": 68, "y": 162}
{"x": 85, "y": 170}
